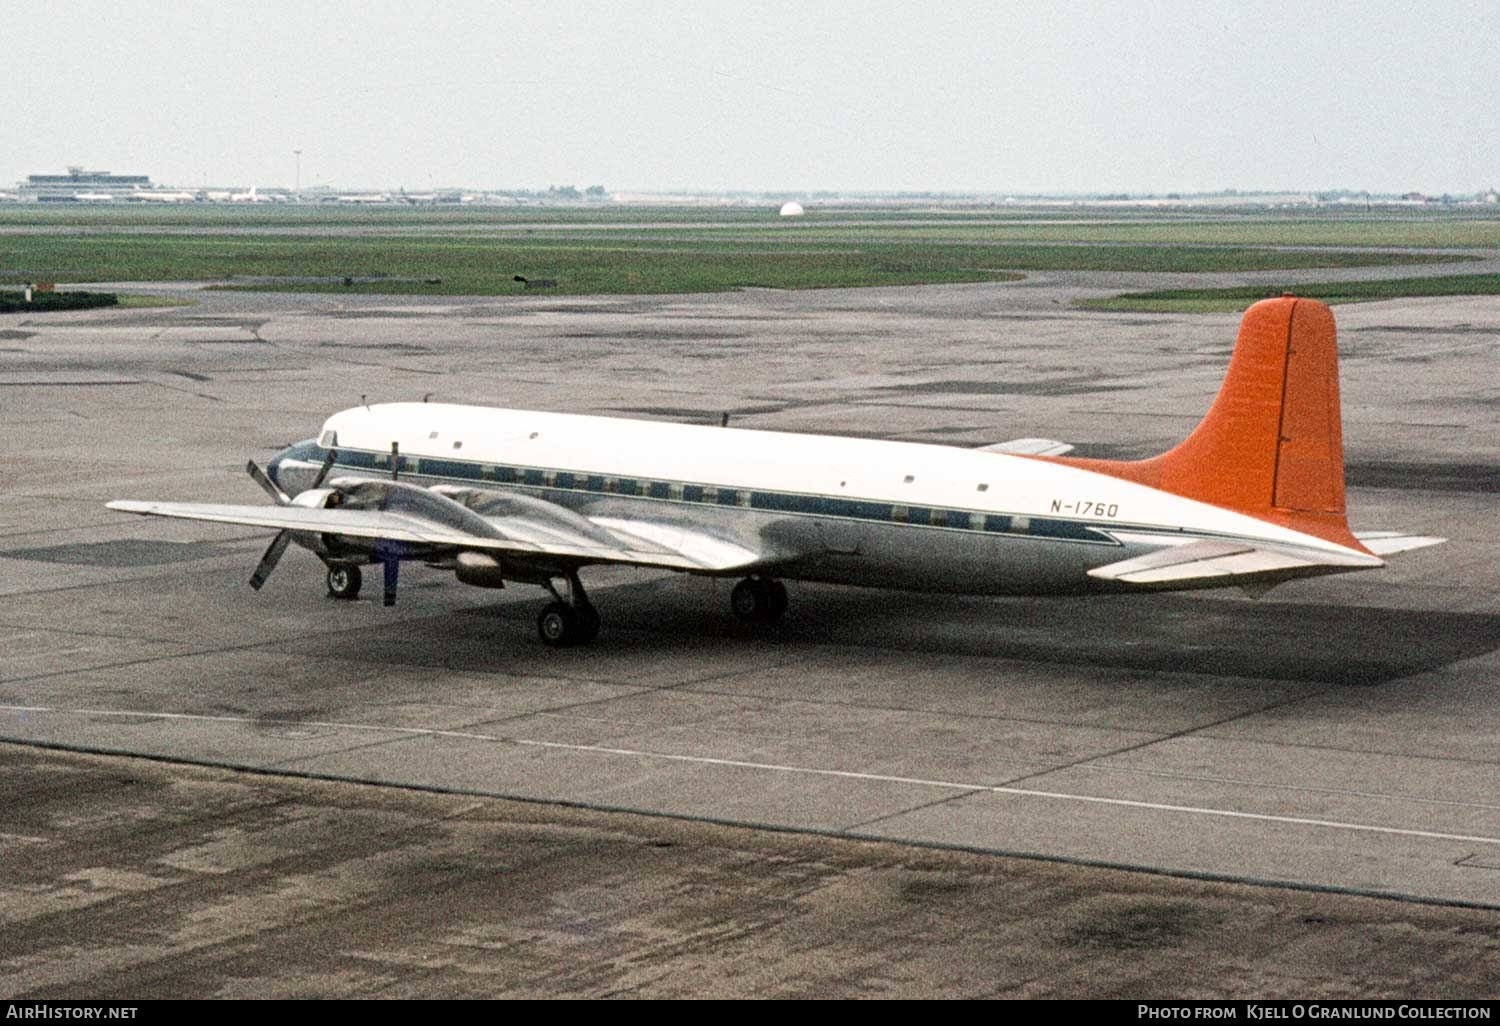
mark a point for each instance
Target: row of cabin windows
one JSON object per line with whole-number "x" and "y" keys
{"x": 713, "y": 495}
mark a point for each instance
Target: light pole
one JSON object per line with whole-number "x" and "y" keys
{"x": 297, "y": 190}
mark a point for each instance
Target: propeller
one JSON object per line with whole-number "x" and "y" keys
{"x": 263, "y": 479}
{"x": 270, "y": 559}
{"x": 328, "y": 461}
{"x": 278, "y": 544}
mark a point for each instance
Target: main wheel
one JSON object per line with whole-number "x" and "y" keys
{"x": 758, "y": 600}
{"x": 562, "y": 626}
{"x": 344, "y": 581}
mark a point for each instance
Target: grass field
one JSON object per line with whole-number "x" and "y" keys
{"x": 1234, "y": 299}
{"x": 467, "y": 251}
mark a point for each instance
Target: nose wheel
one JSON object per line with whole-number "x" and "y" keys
{"x": 758, "y": 600}
{"x": 344, "y": 582}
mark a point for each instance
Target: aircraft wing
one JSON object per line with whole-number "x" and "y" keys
{"x": 675, "y": 549}
{"x": 1227, "y": 562}
{"x": 1029, "y": 447}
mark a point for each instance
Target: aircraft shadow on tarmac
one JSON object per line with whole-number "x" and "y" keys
{"x": 1326, "y": 644}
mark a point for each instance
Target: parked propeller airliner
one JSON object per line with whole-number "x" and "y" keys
{"x": 1253, "y": 497}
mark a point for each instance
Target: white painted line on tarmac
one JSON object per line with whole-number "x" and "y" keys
{"x": 704, "y": 760}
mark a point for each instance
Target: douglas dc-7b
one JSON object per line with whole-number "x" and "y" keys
{"x": 1253, "y": 497}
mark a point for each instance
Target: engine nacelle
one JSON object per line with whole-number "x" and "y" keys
{"x": 479, "y": 569}
{"x": 314, "y": 498}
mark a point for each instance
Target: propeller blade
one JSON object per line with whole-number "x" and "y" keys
{"x": 328, "y": 462}
{"x": 270, "y": 559}
{"x": 392, "y": 569}
{"x": 278, "y": 496}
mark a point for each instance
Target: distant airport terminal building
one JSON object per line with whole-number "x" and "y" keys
{"x": 80, "y": 186}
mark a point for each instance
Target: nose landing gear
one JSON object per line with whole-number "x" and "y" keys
{"x": 758, "y": 600}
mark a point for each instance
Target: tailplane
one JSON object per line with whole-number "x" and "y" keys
{"x": 1271, "y": 445}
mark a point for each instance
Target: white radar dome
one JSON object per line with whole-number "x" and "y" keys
{"x": 792, "y": 209}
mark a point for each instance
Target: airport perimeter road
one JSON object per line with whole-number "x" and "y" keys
{"x": 1340, "y": 733}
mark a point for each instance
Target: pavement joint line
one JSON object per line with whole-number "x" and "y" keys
{"x": 1365, "y": 751}
{"x": 85, "y": 634}
{"x": 635, "y": 690}
{"x": 923, "y": 710}
{"x": 919, "y": 807}
{"x": 1185, "y": 732}
{"x": 699, "y": 760}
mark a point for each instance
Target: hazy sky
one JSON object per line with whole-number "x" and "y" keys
{"x": 998, "y": 97}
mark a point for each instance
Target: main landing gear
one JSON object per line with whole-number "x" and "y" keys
{"x": 572, "y": 619}
{"x": 758, "y": 600}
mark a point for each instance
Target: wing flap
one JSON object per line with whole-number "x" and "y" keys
{"x": 1029, "y": 447}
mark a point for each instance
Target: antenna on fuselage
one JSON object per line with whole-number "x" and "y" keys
{"x": 724, "y": 419}
{"x": 426, "y": 396}
{"x": 362, "y": 401}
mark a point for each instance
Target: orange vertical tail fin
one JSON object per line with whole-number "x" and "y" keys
{"x": 1271, "y": 445}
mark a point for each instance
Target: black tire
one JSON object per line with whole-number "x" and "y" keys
{"x": 344, "y": 581}
{"x": 757, "y": 600}
{"x": 779, "y": 600}
{"x": 588, "y": 623}
{"x": 559, "y": 625}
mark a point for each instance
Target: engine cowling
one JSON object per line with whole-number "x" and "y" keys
{"x": 480, "y": 569}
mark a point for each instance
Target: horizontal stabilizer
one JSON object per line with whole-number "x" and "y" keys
{"x": 1388, "y": 543}
{"x": 1029, "y": 447}
{"x": 1225, "y": 562}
